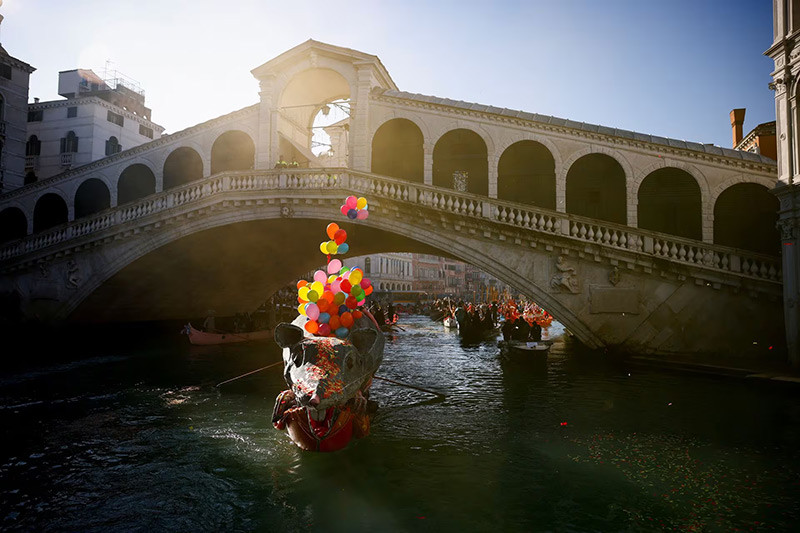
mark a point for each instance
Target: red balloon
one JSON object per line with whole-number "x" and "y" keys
{"x": 340, "y": 236}
{"x": 344, "y": 209}
{"x": 345, "y": 286}
{"x": 351, "y": 302}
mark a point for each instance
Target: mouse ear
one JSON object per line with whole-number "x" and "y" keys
{"x": 363, "y": 339}
{"x": 288, "y": 334}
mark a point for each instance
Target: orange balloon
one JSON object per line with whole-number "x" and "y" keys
{"x": 323, "y": 304}
{"x": 312, "y": 326}
{"x": 328, "y": 295}
{"x": 368, "y": 291}
{"x": 347, "y": 319}
{"x": 302, "y": 283}
{"x": 334, "y": 322}
{"x": 357, "y": 314}
{"x": 331, "y": 230}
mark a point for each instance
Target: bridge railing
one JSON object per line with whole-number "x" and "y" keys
{"x": 344, "y": 181}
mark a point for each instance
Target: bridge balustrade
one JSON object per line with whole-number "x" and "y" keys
{"x": 344, "y": 181}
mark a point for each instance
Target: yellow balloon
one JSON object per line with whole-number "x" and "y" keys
{"x": 302, "y": 292}
{"x": 361, "y": 203}
{"x": 331, "y": 278}
{"x": 331, "y": 247}
{"x": 355, "y": 276}
{"x": 301, "y": 309}
{"x": 313, "y": 296}
{"x": 318, "y": 287}
{"x": 323, "y": 247}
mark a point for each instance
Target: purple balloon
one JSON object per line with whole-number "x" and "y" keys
{"x": 352, "y": 213}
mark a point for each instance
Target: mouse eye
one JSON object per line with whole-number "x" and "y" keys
{"x": 297, "y": 355}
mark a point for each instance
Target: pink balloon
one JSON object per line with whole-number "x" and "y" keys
{"x": 346, "y": 274}
{"x": 351, "y": 202}
{"x": 359, "y": 302}
{"x": 362, "y": 214}
{"x": 344, "y": 209}
{"x": 336, "y": 286}
{"x": 365, "y": 283}
{"x": 320, "y": 276}
{"x": 334, "y": 266}
{"x": 312, "y": 311}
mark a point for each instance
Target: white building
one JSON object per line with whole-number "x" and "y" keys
{"x": 14, "y": 77}
{"x": 392, "y": 272}
{"x": 98, "y": 118}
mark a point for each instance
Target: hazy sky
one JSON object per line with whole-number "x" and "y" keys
{"x": 671, "y": 68}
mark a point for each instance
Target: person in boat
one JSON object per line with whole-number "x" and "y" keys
{"x": 209, "y": 324}
{"x": 507, "y": 329}
{"x": 536, "y": 332}
{"x": 522, "y": 329}
{"x": 461, "y": 314}
{"x": 390, "y": 312}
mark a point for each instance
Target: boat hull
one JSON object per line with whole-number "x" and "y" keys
{"x": 204, "y": 338}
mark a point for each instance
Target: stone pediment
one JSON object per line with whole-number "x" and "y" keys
{"x": 312, "y": 52}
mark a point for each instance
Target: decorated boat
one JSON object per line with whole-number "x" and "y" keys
{"x": 450, "y": 322}
{"x": 207, "y": 338}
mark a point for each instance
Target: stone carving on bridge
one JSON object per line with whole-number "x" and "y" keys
{"x": 460, "y": 179}
{"x": 787, "y": 228}
{"x": 73, "y": 274}
{"x": 614, "y": 276}
{"x": 287, "y": 211}
{"x": 44, "y": 270}
{"x": 565, "y": 279}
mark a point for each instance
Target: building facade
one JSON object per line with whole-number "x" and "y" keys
{"x": 14, "y": 79}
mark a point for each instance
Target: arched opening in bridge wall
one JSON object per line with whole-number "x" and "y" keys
{"x": 136, "y": 181}
{"x": 184, "y": 165}
{"x": 50, "y": 211}
{"x": 745, "y": 216}
{"x": 527, "y": 173}
{"x": 13, "y": 224}
{"x": 670, "y": 202}
{"x": 596, "y": 188}
{"x": 397, "y": 150}
{"x": 460, "y": 162}
{"x": 233, "y": 150}
{"x": 91, "y": 197}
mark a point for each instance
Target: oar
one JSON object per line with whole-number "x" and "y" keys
{"x": 251, "y": 372}
{"x": 410, "y": 386}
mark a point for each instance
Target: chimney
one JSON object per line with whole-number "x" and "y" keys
{"x": 737, "y": 122}
{"x": 36, "y": 100}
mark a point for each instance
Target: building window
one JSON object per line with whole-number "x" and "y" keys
{"x": 35, "y": 115}
{"x": 113, "y": 146}
{"x": 33, "y": 146}
{"x": 147, "y": 132}
{"x": 5, "y": 71}
{"x": 69, "y": 144}
{"x": 115, "y": 118}
{"x": 72, "y": 112}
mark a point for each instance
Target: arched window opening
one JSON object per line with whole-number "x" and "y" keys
{"x": 397, "y": 150}
{"x": 91, "y": 197}
{"x": 113, "y": 146}
{"x": 34, "y": 146}
{"x": 233, "y": 150}
{"x": 596, "y": 188}
{"x": 69, "y": 144}
{"x": 184, "y": 165}
{"x": 330, "y": 134}
{"x": 746, "y": 217}
{"x": 460, "y": 162}
{"x": 527, "y": 173}
{"x": 50, "y": 211}
{"x": 13, "y": 224}
{"x": 135, "y": 182}
{"x": 670, "y": 202}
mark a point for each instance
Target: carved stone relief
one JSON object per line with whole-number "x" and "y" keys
{"x": 565, "y": 278}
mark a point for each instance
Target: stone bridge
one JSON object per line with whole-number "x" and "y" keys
{"x": 633, "y": 241}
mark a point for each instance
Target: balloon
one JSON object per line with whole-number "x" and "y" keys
{"x": 351, "y": 302}
{"x": 302, "y": 292}
{"x": 334, "y": 322}
{"x": 340, "y": 236}
{"x": 361, "y": 301}
{"x": 351, "y": 202}
{"x": 356, "y": 291}
{"x": 324, "y": 318}
{"x": 331, "y": 230}
{"x": 320, "y": 276}
{"x": 368, "y": 290}
{"x": 343, "y": 309}
{"x": 361, "y": 203}
{"x": 345, "y": 286}
{"x": 339, "y": 297}
{"x": 312, "y": 311}
{"x": 327, "y": 295}
{"x": 302, "y": 283}
{"x": 342, "y": 332}
{"x": 311, "y": 326}
{"x": 346, "y": 319}
{"x": 365, "y": 283}
{"x": 357, "y": 314}
{"x": 323, "y": 304}
{"x": 346, "y": 274}
{"x": 323, "y": 247}
{"x": 352, "y": 213}
{"x": 361, "y": 215}
{"x": 313, "y": 296}
{"x": 356, "y": 275}
{"x": 344, "y": 209}
{"x": 343, "y": 248}
{"x": 318, "y": 287}
{"x": 331, "y": 247}
{"x": 333, "y": 268}
{"x": 302, "y": 309}
{"x": 324, "y": 330}
{"x": 343, "y": 270}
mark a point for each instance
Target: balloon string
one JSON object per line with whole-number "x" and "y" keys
{"x": 329, "y": 259}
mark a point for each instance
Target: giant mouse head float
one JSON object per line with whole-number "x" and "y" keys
{"x": 324, "y": 373}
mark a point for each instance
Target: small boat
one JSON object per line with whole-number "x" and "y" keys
{"x": 205, "y": 338}
{"x": 522, "y": 350}
{"x": 450, "y": 322}
{"x": 437, "y": 314}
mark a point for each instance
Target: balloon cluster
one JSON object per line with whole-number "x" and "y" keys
{"x": 336, "y": 244}
{"x": 354, "y": 208}
{"x": 331, "y": 300}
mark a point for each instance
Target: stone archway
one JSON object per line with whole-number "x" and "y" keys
{"x": 596, "y": 188}
{"x": 460, "y": 162}
{"x": 183, "y": 165}
{"x": 397, "y": 150}
{"x": 50, "y": 211}
{"x": 746, "y": 217}
{"x": 135, "y": 182}
{"x": 13, "y": 224}
{"x": 91, "y": 197}
{"x": 526, "y": 173}
{"x": 670, "y": 201}
{"x": 233, "y": 150}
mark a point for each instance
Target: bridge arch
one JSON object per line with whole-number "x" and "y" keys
{"x": 564, "y": 168}
{"x": 13, "y": 224}
{"x": 50, "y": 211}
{"x": 746, "y": 217}
{"x": 526, "y": 172}
{"x": 183, "y": 165}
{"x": 92, "y": 196}
{"x": 670, "y": 200}
{"x": 466, "y": 150}
{"x": 135, "y": 182}
{"x": 398, "y": 150}
{"x": 596, "y": 187}
{"x": 233, "y": 150}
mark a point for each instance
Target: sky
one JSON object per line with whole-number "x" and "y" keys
{"x": 672, "y": 68}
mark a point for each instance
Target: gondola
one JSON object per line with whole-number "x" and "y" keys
{"x": 205, "y": 338}
{"x": 533, "y": 351}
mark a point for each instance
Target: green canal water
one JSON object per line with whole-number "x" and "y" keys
{"x": 136, "y": 437}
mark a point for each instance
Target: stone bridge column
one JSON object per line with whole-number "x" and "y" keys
{"x": 494, "y": 161}
{"x": 789, "y": 225}
{"x": 561, "y": 191}
{"x": 359, "y": 131}
{"x": 707, "y": 216}
{"x": 428, "y": 163}
{"x": 266, "y": 128}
